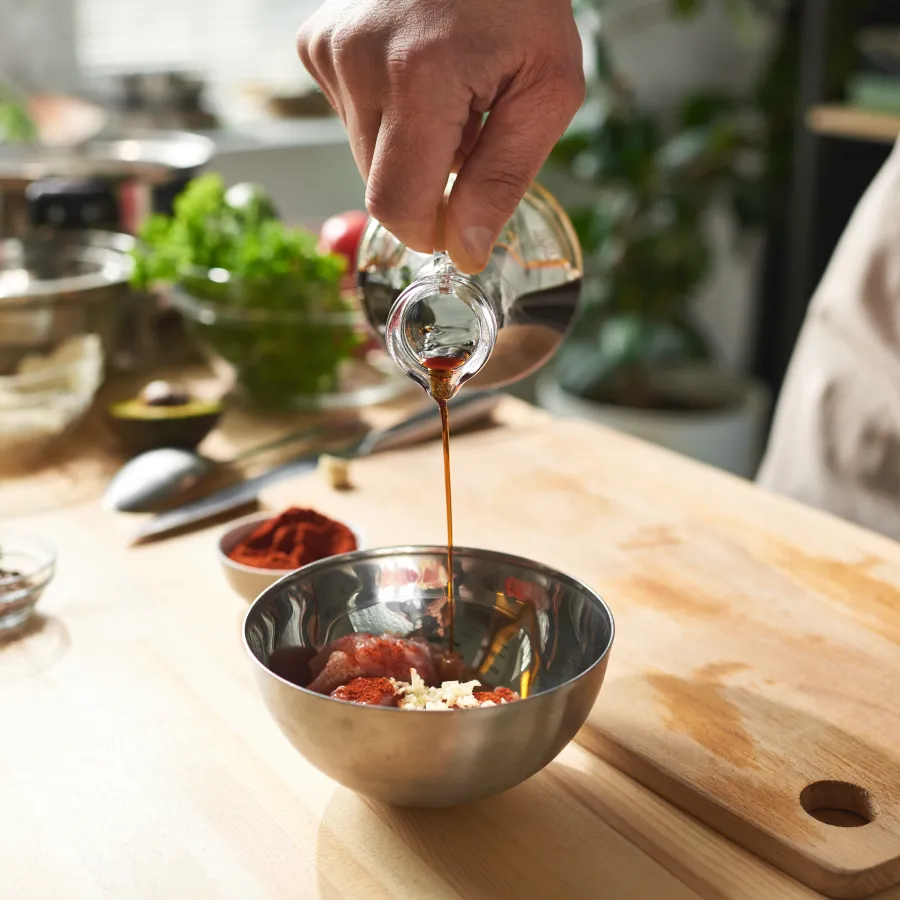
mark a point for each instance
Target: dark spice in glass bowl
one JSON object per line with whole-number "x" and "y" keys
{"x": 7, "y": 586}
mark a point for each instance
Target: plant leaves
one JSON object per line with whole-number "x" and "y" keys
{"x": 685, "y": 8}
{"x": 704, "y": 107}
{"x": 570, "y": 146}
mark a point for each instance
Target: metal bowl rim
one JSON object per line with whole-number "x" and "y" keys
{"x": 411, "y": 550}
{"x": 59, "y": 290}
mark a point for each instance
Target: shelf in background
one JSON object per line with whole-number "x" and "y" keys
{"x": 855, "y": 124}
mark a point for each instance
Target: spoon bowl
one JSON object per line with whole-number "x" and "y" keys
{"x": 156, "y": 476}
{"x": 152, "y": 477}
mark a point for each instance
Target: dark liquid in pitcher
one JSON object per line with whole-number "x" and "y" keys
{"x": 550, "y": 307}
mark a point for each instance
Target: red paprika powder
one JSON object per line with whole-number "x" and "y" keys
{"x": 293, "y": 539}
{"x": 496, "y": 695}
{"x": 369, "y": 691}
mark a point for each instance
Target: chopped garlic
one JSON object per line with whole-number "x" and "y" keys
{"x": 336, "y": 470}
{"x": 417, "y": 695}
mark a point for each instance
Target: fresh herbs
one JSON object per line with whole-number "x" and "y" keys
{"x": 237, "y": 230}
{"x": 259, "y": 294}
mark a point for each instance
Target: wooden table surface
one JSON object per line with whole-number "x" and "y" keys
{"x": 137, "y": 760}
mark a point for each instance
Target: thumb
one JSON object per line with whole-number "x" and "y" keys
{"x": 520, "y": 131}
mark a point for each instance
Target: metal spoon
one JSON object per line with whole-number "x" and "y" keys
{"x": 161, "y": 474}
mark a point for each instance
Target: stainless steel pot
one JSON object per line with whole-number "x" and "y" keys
{"x": 55, "y": 286}
{"x": 110, "y": 182}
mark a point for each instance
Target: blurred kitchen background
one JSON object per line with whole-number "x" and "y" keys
{"x": 722, "y": 149}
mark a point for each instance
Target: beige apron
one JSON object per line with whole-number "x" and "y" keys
{"x": 835, "y": 442}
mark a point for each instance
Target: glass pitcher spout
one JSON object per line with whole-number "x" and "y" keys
{"x": 442, "y": 329}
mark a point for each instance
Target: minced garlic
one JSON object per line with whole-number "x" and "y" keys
{"x": 415, "y": 694}
{"x": 336, "y": 471}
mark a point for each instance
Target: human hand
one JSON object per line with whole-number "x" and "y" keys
{"x": 412, "y": 80}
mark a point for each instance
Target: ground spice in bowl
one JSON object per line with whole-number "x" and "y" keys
{"x": 7, "y": 582}
{"x": 293, "y": 539}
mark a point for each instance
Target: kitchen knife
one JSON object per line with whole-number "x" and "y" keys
{"x": 465, "y": 410}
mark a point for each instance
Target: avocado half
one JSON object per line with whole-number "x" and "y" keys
{"x": 162, "y": 415}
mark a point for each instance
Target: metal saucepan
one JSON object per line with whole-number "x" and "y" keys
{"x": 111, "y": 181}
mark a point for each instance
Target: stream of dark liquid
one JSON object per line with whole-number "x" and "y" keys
{"x": 441, "y": 369}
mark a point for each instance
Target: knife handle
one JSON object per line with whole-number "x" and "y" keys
{"x": 464, "y": 410}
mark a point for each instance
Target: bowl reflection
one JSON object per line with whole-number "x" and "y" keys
{"x": 518, "y": 624}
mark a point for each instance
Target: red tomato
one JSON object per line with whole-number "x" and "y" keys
{"x": 342, "y": 234}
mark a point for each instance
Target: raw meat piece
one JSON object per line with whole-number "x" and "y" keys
{"x": 367, "y": 656}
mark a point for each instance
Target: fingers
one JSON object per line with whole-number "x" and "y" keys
{"x": 315, "y": 53}
{"x": 405, "y": 86}
{"x": 363, "y": 126}
{"x": 469, "y": 138}
{"x": 414, "y": 155}
{"x": 336, "y": 58}
{"x": 521, "y": 130}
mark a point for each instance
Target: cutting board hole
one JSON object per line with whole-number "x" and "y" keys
{"x": 839, "y": 803}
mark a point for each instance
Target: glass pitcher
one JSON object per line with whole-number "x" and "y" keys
{"x": 493, "y": 328}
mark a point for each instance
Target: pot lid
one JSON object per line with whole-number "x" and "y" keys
{"x": 152, "y": 156}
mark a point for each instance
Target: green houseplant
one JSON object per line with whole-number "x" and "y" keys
{"x": 649, "y": 182}
{"x": 652, "y": 184}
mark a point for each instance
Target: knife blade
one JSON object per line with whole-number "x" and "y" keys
{"x": 466, "y": 410}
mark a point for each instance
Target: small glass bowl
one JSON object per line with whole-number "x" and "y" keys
{"x": 33, "y": 565}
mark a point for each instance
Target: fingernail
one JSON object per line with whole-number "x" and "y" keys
{"x": 477, "y": 243}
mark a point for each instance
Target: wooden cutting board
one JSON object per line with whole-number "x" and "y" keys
{"x": 755, "y": 677}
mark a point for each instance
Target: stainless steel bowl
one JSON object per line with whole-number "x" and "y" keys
{"x": 53, "y": 287}
{"x": 518, "y": 624}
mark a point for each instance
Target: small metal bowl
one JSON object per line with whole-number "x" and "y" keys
{"x": 34, "y": 565}
{"x": 518, "y": 624}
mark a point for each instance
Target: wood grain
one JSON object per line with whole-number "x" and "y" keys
{"x": 138, "y": 761}
{"x": 757, "y": 641}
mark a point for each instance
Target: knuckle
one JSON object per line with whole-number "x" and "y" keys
{"x": 395, "y": 210}
{"x": 573, "y": 88}
{"x": 303, "y": 40}
{"x": 307, "y": 34}
{"x": 344, "y": 42}
{"x": 410, "y": 62}
{"x": 503, "y": 190}
{"x": 381, "y": 202}
{"x": 563, "y": 89}
{"x": 313, "y": 49}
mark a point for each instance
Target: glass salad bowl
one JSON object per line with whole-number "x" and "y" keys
{"x": 286, "y": 345}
